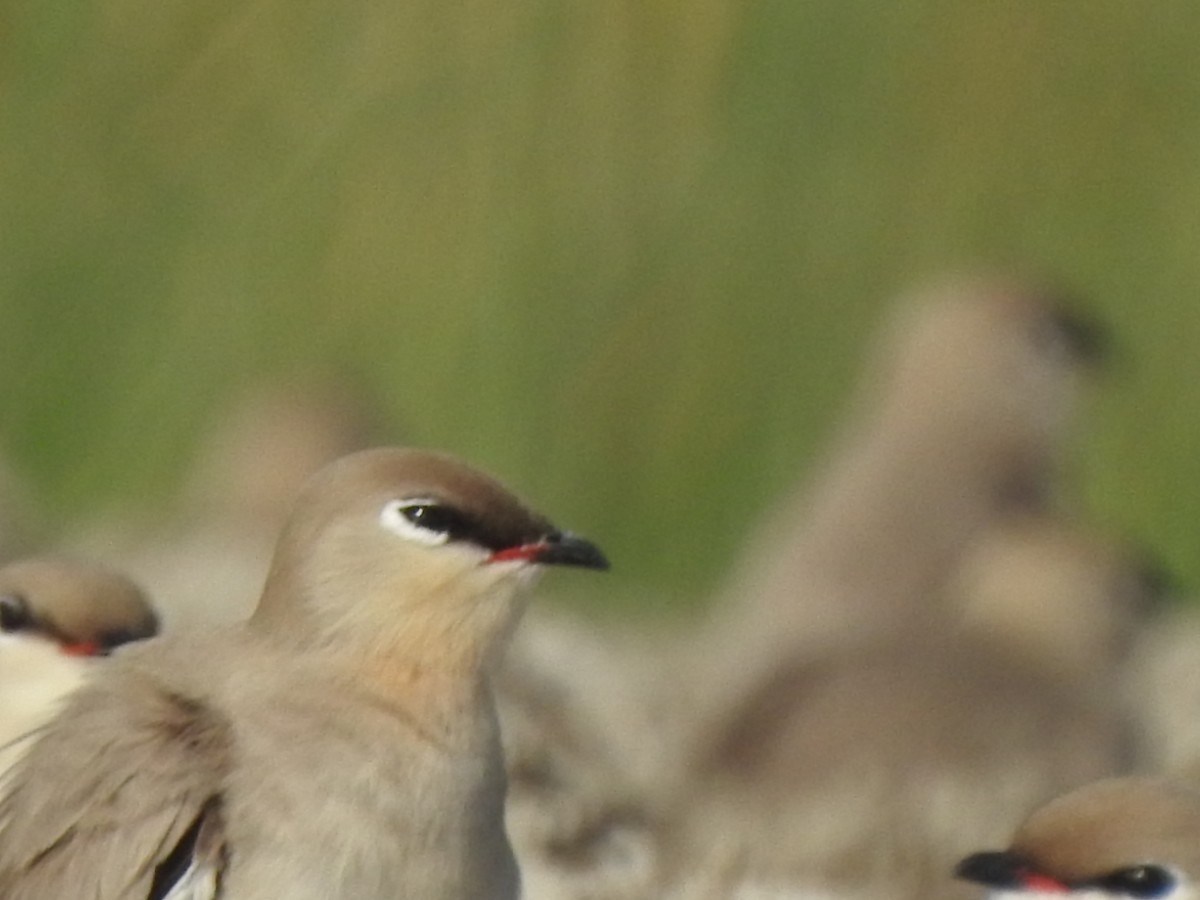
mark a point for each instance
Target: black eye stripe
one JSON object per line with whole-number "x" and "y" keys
{"x": 442, "y": 518}
{"x": 445, "y": 520}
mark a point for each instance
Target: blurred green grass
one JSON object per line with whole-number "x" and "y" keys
{"x": 625, "y": 255}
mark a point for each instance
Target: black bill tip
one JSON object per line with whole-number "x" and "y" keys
{"x": 991, "y": 868}
{"x": 566, "y": 549}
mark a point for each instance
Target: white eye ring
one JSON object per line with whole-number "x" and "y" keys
{"x": 393, "y": 518}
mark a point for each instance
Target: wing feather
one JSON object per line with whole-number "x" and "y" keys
{"x": 109, "y": 790}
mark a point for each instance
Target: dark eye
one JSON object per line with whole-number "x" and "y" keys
{"x": 1138, "y": 881}
{"x": 441, "y": 519}
{"x": 427, "y": 521}
{"x": 14, "y": 613}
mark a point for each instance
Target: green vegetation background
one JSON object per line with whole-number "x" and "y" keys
{"x": 623, "y": 253}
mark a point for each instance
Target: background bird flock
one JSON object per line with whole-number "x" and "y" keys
{"x": 918, "y": 645}
{"x": 889, "y": 549}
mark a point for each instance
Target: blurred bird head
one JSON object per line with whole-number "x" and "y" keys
{"x": 83, "y": 608}
{"x": 392, "y": 542}
{"x": 1132, "y": 838}
{"x": 997, "y": 363}
{"x": 271, "y": 438}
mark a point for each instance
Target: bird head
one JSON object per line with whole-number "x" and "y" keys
{"x": 83, "y": 608}
{"x": 1131, "y": 838}
{"x": 997, "y": 362}
{"x": 402, "y": 546}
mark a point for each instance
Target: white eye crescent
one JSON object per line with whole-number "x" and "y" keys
{"x": 418, "y": 519}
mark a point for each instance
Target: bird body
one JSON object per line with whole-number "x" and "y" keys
{"x": 35, "y": 676}
{"x": 340, "y": 743}
{"x": 393, "y": 784}
{"x": 869, "y": 772}
{"x": 887, "y": 759}
{"x": 303, "y": 756}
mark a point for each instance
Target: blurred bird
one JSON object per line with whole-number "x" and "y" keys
{"x": 870, "y": 769}
{"x": 209, "y": 565}
{"x": 1163, "y": 687}
{"x": 582, "y": 707}
{"x": 1133, "y": 837}
{"x": 960, "y": 421}
{"x": 340, "y": 743}
{"x": 961, "y": 418}
{"x": 56, "y": 614}
{"x": 270, "y": 440}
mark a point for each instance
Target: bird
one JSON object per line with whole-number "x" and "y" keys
{"x": 270, "y": 437}
{"x": 340, "y": 742}
{"x": 580, "y": 704}
{"x": 961, "y": 417}
{"x": 871, "y": 768}
{"x": 1162, "y": 683}
{"x": 960, "y": 421}
{"x": 57, "y": 614}
{"x": 1124, "y": 837}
